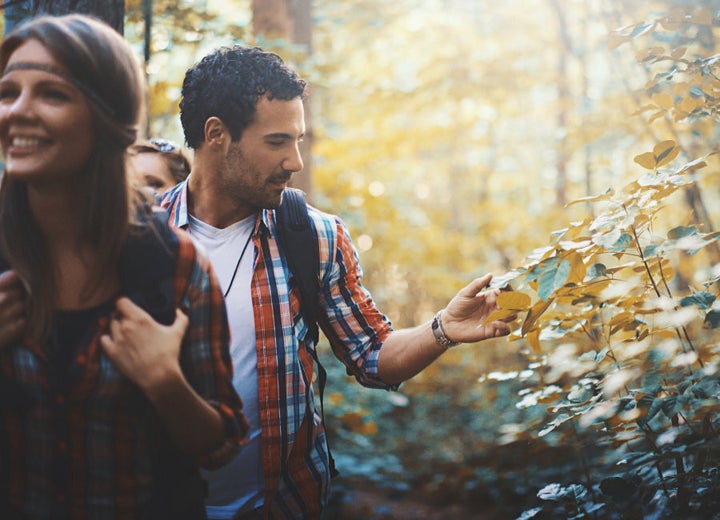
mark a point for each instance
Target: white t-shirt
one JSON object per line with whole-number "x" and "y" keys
{"x": 240, "y": 483}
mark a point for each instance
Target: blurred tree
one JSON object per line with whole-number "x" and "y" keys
{"x": 291, "y": 22}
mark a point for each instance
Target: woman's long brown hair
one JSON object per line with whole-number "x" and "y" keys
{"x": 102, "y": 64}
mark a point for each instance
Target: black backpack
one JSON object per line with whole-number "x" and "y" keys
{"x": 299, "y": 243}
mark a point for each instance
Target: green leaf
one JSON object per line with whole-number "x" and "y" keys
{"x": 682, "y": 231}
{"x": 596, "y": 270}
{"x": 652, "y": 250}
{"x": 552, "y": 278}
{"x": 655, "y": 407}
{"x": 712, "y": 319}
{"x": 703, "y": 300}
{"x": 622, "y": 243}
{"x": 706, "y": 389}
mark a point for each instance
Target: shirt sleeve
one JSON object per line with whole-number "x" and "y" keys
{"x": 205, "y": 355}
{"x": 355, "y": 326}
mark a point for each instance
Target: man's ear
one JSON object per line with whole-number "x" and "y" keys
{"x": 216, "y": 133}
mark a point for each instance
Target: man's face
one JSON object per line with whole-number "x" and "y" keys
{"x": 259, "y": 166}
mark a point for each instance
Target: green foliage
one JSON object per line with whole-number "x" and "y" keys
{"x": 638, "y": 367}
{"x": 618, "y": 315}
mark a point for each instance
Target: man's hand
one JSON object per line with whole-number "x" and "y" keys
{"x": 147, "y": 352}
{"x": 464, "y": 317}
{"x": 12, "y": 308}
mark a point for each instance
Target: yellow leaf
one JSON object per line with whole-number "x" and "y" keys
{"x": 577, "y": 268}
{"x": 665, "y": 152}
{"x": 621, "y": 319}
{"x": 646, "y": 160}
{"x": 679, "y": 52}
{"x": 689, "y": 104}
{"x": 595, "y": 288}
{"x": 533, "y": 339}
{"x": 663, "y": 100}
{"x": 514, "y": 300}
{"x": 594, "y": 198}
{"x": 534, "y": 313}
{"x": 656, "y": 115}
{"x": 501, "y": 315}
{"x": 674, "y": 20}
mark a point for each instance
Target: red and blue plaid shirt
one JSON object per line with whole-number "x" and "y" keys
{"x": 79, "y": 440}
{"x": 294, "y": 448}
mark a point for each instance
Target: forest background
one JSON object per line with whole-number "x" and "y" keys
{"x": 568, "y": 146}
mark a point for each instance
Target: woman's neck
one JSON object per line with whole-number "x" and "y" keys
{"x": 58, "y": 214}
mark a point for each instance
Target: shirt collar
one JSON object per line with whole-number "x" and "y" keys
{"x": 180, "y": 216}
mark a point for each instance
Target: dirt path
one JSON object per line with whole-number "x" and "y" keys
{"x": 362, "y": 502}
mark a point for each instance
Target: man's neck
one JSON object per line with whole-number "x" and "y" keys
{"x": 213, "y": 206}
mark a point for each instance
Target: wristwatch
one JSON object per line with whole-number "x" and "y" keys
{"x": 439, "y": 333}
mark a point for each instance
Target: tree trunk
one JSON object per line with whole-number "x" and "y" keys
{"x": 111, "y": 11}
{"x": 563, "y": 102}
{"x": 291, "y": 21}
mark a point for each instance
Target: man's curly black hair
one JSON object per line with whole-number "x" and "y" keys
{"x": 227, "y": 83}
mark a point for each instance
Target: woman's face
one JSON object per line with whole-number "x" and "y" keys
{"x": 151, "y": 170}
{"x": 46, "y": 126}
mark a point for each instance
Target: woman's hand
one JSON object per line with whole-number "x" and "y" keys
{"x": 147, "y": 352}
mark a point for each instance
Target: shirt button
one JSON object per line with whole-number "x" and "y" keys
{"x": 62, "y": 447}
{"x": 59, "y": 399}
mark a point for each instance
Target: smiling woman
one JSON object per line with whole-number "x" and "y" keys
{"x": 104, "y": 410}
{"x": 45, "y": 120}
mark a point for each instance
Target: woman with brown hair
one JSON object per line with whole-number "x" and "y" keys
{"x": 120, "y": 386}
{"x": 158, "y": 164}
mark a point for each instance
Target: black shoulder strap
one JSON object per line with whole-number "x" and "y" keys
{"x": 147, "y": 267}
{"x": 298, "y": 242}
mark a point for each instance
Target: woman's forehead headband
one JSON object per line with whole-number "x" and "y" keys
{"x": 90, "y": 93}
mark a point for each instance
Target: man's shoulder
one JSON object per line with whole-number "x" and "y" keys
{"x": 323, "y": 222}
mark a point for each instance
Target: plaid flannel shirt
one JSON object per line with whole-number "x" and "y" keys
{"x": 294, "y": 447}
{"x": 84, "y": 443}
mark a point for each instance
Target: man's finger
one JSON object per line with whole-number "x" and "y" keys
{"x": 478, "y": 284}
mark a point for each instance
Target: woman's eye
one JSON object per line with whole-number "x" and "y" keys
{"x": 58, "y": 95}
{"x": 7, "y": 93}
{"x": 154, "y": 184}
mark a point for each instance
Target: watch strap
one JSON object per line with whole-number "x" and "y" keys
{"x": 439, "y": 332}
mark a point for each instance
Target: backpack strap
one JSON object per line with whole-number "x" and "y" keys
{"x": 154, "y": 272}
{"x": 148, "y": 262}
{"x": 297, "y": 240}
